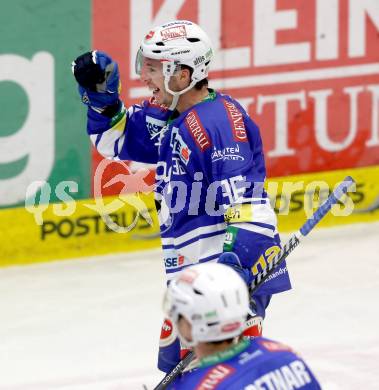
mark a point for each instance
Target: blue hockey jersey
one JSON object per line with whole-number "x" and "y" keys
{"x": 250, "y": 365}
{"x": 209, "y": 161}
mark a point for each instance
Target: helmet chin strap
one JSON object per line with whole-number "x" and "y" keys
{"x": 176, "y": 95}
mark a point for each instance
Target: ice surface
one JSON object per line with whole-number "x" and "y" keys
{"x": 94, "y": 323}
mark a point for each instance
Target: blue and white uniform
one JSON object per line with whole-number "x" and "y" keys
{"x": 210, "y": 162}
{"x": 250, "y": 365}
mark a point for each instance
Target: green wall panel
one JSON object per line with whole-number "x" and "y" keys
{"x": 42, "y": 123}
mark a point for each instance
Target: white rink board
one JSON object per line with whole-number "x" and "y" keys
{"x": 94, "y": 323}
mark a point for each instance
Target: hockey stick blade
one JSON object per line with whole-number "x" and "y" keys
{"x": 262, "y": 276}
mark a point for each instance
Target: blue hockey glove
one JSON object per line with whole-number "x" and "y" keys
{"x": 99, "y": 82}
{"x": 258, "y": 303}
{"x": 232, "y": 260}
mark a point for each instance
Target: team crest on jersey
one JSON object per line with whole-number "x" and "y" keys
{"x": 154, "y": 127}
{"x": 215, "y": 376}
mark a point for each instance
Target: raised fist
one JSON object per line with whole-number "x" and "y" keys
{"x": 98, "y": 78}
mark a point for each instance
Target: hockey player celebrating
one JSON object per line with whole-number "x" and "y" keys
{"x": 208, "y": 304}
{"x": 210, "y": 163}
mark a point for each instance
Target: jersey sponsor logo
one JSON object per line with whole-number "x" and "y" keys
{"x": 197, "y": 131}
{"x": 265, "y": 259}
{"x": 226, "y": 154}
{"x": 287, "y": 377}
{"x": 184, "y": 154}
{"x": 245, "y": 357}
{"x": 236, "y": 121}
{"x": 215, "y": 376}
{"x": 274, "y": 275}
{"x": 174, "y": 262}
{"x": 174, "y": 32}
{"x": 179, "y": 147}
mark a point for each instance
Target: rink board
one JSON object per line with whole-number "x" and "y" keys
{"x": 82, "y": 231}
{"x": 70, "y": 230}
{"x": 297, "y": 196}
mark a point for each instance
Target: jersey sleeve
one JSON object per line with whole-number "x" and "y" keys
{"x": 132, "y": 134}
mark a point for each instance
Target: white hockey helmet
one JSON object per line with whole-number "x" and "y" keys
{"x": 213, "y": 298}
{"x": 176, "y": 43}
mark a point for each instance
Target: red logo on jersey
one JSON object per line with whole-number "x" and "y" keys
{"x": 197, "y": 131}
{"x": 236, "y": 121}
{"x": 166, "y": 330}
{"x": 180, "y": 260}
{"x": 215, "y": 376}
{"x": 185, "y": 153}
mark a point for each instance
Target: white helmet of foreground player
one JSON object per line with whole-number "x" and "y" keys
{"x": 176, "y": 43}
{"x": 213, "y": 298}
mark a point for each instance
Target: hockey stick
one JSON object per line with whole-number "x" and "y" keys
{"x": 262, "y": 276}
{"x": 307, "y": 227}
{"x": 175, "y": 372}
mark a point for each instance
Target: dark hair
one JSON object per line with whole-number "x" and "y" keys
{"x": 200, "y": 84}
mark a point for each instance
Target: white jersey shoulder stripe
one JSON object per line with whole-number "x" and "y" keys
{"x": 255, "y": 229}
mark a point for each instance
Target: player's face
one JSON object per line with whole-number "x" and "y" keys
{"x": 152, "y": 76}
